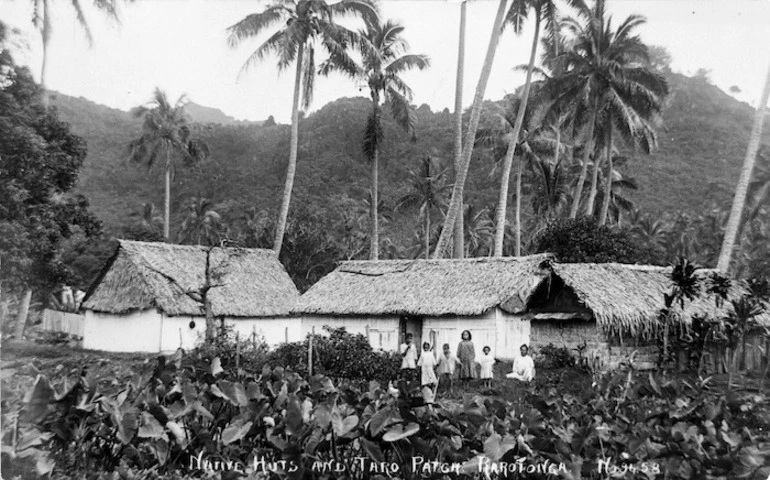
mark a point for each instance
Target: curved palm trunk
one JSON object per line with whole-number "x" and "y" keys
{"x": 594, "y": 185}
{"x": 739, "y": 201}
{"x": 517, "y": 218}
{"x": 589, "y": 145}
{"x": 283, "y": 215}
{"x": 374, "y": 249}
{"x": 46, "y": 33}
{"x": 502, "y": 202}
{"x": 427, "y": 233}
{"x": 608, "y": 182}
{"x": 455, "y": 207}
{"x": 459, "y": 229}
{"x": 167, "y": 206}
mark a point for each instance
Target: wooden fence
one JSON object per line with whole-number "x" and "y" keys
{"x": 752, "y": 358}
{"x": 64, "y": 322}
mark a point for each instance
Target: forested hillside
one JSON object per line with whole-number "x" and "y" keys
{"x": 702, "y": 143}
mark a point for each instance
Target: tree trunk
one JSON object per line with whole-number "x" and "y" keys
{"x": 608, "y": 182}
{"x": 46, "y": 34}
{"x": 502, "y": 202}
{"x": 519, "y": 169}
{"x": 556, "y": 153}
{"x": 374, "y": 249}
{"x": 589, "y": 145}
{"x": 594, "y": 186}
{"x": 283, "y": 215}
{"x": 459, "y": 228}
{"x": 739, "y": 201}
{"x": 21, "y": 315}
{"x": 167, "y": 207}
{"x": 427, "y": 233}
{"x": 455, "y": 205}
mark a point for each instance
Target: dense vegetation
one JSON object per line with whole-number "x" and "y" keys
{"x": 188, "y": 416}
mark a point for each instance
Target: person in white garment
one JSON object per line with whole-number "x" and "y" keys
{"x": 523, "y": 367}
{"x": 409, "y": 358}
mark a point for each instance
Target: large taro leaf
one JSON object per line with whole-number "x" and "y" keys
{"x": 381, "y": 419}
{"x": 150, "y": 428}
{"x": 372, "y": 449}
{"x": 178, "y": 432}
{"x": 496, "y": 446}
{"x": 38, "y": 400}
{"x": 321, "y": 383}
{"x": 293, "y": 417}
{"x": 160, "y": 446}
{"x": 344, "y": 426}
{"x": 400, "y": 431}
{"x": 235, "y": 431}
{"x": 234, "y": 392}
{"x": 323, "y": 414}
{"x": 749, "y": 460}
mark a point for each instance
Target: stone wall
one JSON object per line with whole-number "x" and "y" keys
{"x": 599, "y": 351}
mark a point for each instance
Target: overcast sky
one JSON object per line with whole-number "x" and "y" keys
{"x": 180, "y": 46}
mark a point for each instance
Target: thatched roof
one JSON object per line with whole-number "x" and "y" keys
{"x": 142, "y": 275}
{"x": 464, "y": 287}
{"x": 627, "y": 298}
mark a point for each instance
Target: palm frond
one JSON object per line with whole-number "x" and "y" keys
{"x": 255, "y": 24}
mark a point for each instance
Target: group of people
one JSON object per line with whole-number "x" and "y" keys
{"x": 443, "y": 367}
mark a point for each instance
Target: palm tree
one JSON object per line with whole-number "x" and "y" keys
{"x": 166, "y": 137}
{"x": 739, "y": 201}
{"x": 41, "y": 19}
{"x": 479, "y": 231}
{"x": 499, "y": 139}
{"x": 606, "y": 71}
{"x": 304, "y": 23}
{"x": 427, "y": 190}
{"x": 548, "y": 188}
{"x": 516, "y": 16}
{"x": 202, "y": 225}
{"x": 459, "y": 230}
{"x": 612, "y": 197}
{"x": 383, "y": 61}
{"x": 461, "y": 173}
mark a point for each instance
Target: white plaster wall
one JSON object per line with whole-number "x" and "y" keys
{"x": 447, "y": 329}
{"x": 382, "y": 332}
{"x": 176, "y": 332}
{"x": 274, "y": 330}
{"x": 131, "y": 332}
{"x": 512, "y": 333}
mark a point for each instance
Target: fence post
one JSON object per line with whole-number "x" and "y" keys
{"x": 310, "y": 353}
{"x": 21, "y": 318}
{"x": 237, "y": 353}
{"x": 286, "y": 334}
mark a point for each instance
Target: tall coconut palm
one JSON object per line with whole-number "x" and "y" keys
{"x": 499, "y": 139}
{"x": 304, "y": 25}
{"x": 166, "y": 137}
{"x": 384, "y": 59}
{"x": 606, "y": 69}
{"x": 427, "y": 192}
{"x": 461, "y": 173}
{"x": 41, "y": 19}
{"x": 458, "y": 249}
{"x": 739, "y": 201}
{"x": 517, "y": 15}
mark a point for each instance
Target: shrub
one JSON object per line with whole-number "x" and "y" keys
{"x": 583, "y": 240}
{"x": 339, "y": 354}
{"x": 551, "y": 357}
{"x": 253, "y": 355}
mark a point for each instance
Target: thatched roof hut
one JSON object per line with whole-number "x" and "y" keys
{"x": 463, "y": 287}
{"x": 626, "y": 299}
{"x": 170, "y": 278}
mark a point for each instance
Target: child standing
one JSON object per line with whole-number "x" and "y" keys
{"x": 487, "y": 362}
{"x": 446, "y": 367}
{"x": 467, "y": 356}
{"x": 409, "y": 358}
{"x": 427, "y": 364}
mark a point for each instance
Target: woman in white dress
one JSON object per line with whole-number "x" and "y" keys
{"x": 523, "y": 367}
